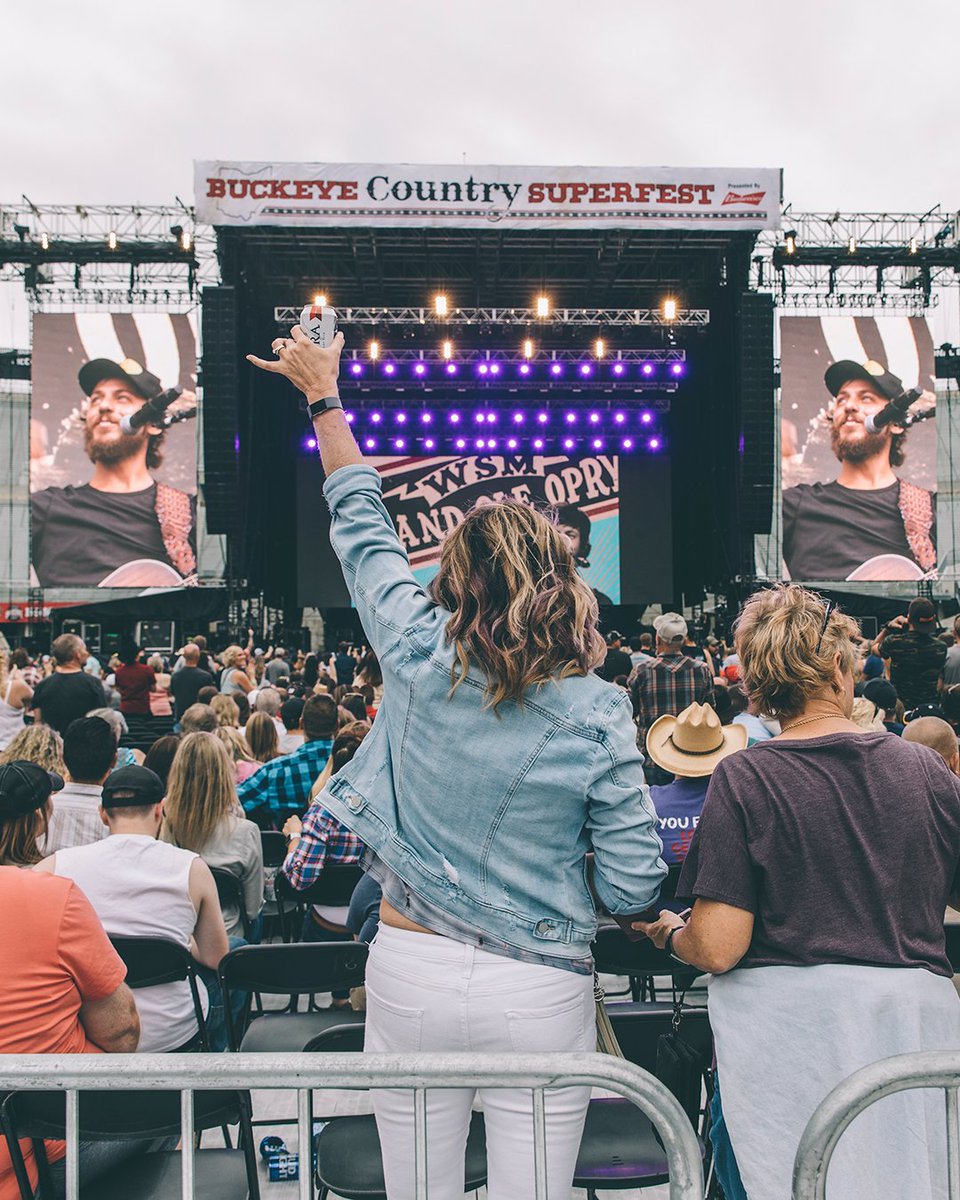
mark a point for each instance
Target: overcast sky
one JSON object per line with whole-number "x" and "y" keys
{"x": 111, "y": 101}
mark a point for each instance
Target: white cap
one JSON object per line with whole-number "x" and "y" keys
{"x": 670, "y": 627}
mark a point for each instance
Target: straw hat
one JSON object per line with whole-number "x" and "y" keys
{"x": 692, "y": 743}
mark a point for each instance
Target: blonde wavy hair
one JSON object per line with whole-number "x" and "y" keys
{"x": 227, "y": 710}
{"x": 201, "y": 792}
{"x": 230, "y": 655}
{"x": 235, "y": 743}
{"x": 261, "y": 735}
{"x": 37, "y": 744}
{"x": 520, "y": 610}
{"x": 776, "y": 637}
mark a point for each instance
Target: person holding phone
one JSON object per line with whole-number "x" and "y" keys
{"x": 486, "y": 919}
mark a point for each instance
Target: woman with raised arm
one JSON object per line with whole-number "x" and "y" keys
{"x": 821, "y": 868}
{"x": 498, "y": 759}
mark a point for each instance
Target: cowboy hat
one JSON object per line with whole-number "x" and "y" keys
{"x": 692, "y": 743}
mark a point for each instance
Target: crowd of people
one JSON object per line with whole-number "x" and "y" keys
{"x": 803, "y": 782}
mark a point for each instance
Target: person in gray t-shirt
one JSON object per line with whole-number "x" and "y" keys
{"x": 277, "y": 667}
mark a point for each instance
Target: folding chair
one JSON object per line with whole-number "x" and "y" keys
{"x": 274, "y": 847}
{"x": 151, "y": 961}
{"x": 615, "y": 954}
{"x": 230, "y": 892}
{"x": 133, "y": 1115}
{"x": 334, "y": 889}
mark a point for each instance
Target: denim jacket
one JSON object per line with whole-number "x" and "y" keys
{"x": 487, "y": 818}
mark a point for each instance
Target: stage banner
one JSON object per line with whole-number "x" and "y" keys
{"x": 858, "y": 505}
{"x": 305, "y": 194}
{"x": 111, "y": 508}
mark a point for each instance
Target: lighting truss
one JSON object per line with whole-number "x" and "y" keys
{"x": 286, "y": 315}
{"x": 471, "y": 357}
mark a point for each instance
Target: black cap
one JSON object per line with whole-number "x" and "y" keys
{"x": 870, "y": 372}
{"x": 130, "y": 372}
{"x": 882, "y": 693}
{"x": 921, "y": 611}
{"x": 25, "y": 787}
{"x": 614, "y": 636}
{"x": 132, "y": 787}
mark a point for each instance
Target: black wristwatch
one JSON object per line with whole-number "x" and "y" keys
{"x": 321, "y": 406}
{"x": 668, "y": 944}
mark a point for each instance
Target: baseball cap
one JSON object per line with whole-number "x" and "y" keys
{"x": 614, "y": 636}
{"x": 870, "y": 372}
{"x": 25, "y": 787}
{"x": 130, "y": 372}
{"x": 882, "y": 693}
{"x": 670, "y": 627}
{"x": 921, "y": 611}
{"x": 132, "y": 787}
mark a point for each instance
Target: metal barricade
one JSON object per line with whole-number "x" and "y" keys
{"x": 304, "y": 1072}
{"x": 865, "y": 1087}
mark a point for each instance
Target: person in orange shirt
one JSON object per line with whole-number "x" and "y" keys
{"x": 62, "y": 987}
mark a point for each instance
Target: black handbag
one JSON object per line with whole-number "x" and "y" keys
{"x": 679, "y": 1067}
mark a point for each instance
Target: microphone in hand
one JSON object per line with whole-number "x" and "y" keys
{"x": 151, "y": 413}
{"x": 895, "y": 412}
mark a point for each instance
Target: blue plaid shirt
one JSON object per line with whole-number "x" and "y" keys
{"x": 283, "y": 785}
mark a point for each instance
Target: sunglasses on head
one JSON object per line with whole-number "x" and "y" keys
{"x": 831, "y": 608}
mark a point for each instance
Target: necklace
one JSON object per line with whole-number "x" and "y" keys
{"x": 807, "y": 721}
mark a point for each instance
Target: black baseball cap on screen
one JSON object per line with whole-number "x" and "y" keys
{"x": 870, "y": 372}
{"x": 130, "y": 372}
{"x": 132, "y": 787}
{"x": 25, "y": 787}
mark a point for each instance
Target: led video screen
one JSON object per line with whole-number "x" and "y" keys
{"x": 594, "y": 500}
{"x": 858, "y": 449}
{"x": 113, "y": 451}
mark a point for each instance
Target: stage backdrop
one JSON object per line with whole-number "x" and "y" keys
{"x": 602, "y": 503}
{"x": 884, "y": 526}
{"x": 572, "y": 197}
{"x": 87, "y": 537}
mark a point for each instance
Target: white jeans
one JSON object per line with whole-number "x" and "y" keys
{"x": 426, "y": 992}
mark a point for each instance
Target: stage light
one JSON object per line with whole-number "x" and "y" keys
{"x": 492, "y": 444}
{"x": 454, "y": 418}
{"x": 420, "y": 369}
{"x": 669, "y": 309}
{"x": 647, "y": 369}
{"x": 320, "y": 300}
{"x": 618, "y": 368}
{"x": 790, "y": 241}
{"x": 538, "y": 443}
{"x": 599, "y": 347}
{"x": 484, "y": 368}
{"x": 111, "y": 240}
{"x": 460, "y": 444}
{"x": 597, "y": 443}
{"x": 677, "y": 368}
{"x": 186, "y": 240}
{"x": 370, "y": 443}
{"x": 429, "y": 443}
{"x": 447, "y": 350}
{"x": 524, "y": 368}
{"x": 451, "y": 368}
{"x": 511, "y": 443}
{"x": 568, "y": 443}
{"x": 351, "y": 417}
{"x": 586, "y": 369}
{"x": 914, "y": 245}
{"x": 311, "y": 443}
{"x": 479, "y": 417}
{"x": 646, "y": 418}
{"x": 376, "y": 418}
{"x": 852, "y": 245}
{"x": 594, "y": 418}
{"x": 570, "y": 418}
{"x": 518, "y": 418}
{"x": 44, "y": 241}
{"x": 619, "y": 417}
{"x": 426, "y": 418}
{"x": 401, "y": 418}
{"x": 356, "y": 368}
{"x": 627, "y": 443}
{"x": 542, "y": 418}
{"x": 479, "y": 444}
{"x": 654, "y": 443}
{"x": 389, "y": 369}
{"x": 440, "y": 304}
{"x": 400, "y": 443}
{"x": 528, "y": 348}
{"x": 373, "y": 351}
{"x": 491, "y": 418}
{"x": 543, "y": 306}
{"x": 556, "y": 369}
{"x": 494, "y": 368}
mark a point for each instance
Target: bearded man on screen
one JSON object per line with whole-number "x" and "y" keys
{"x": 868, "y": 523}
{"x": 123, "y": 528}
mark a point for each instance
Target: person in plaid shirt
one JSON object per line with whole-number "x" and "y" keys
{"x": 283, "y": 785}
{"x": 669, "y": 683}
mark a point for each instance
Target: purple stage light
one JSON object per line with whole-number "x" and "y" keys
{"x": 351, "y": 417}
{"x": 479, "y": 443}
{"x": 356, "y": 368}
{"x": 598, "y": 443}
{"x": 653, "y": 444}
{"x": 594, "y": 418}
{"x": 647, "y": 368}
{"x": 454, "y": 418}
{"x": 619, "y": 417}
{"x": 460, "y": 444}
{"x": 389, "y": 369}
{"x": 524, "y": 368}
{"x": 518, "y": 418}
{"x": 511, "y": 443}
{"x": 538, "y": 443}
{"x": 311, "y": 443}
{"x": 677, "y": 368}
{"x": 370, "y": 443}
{"x": 586, "y": 369}
{"x": 492, "y": 444}
{"x": 420, "y": 369}
{"x": 627, "y": 443}
{"x": 646, "y": 418}
{"x": 568, "y": 443}
{"x": 400, "y": 443}
{"x": 479, "y": 418}
{"x": 491, "y": 418}
{"x": 401, "y": 418}
{"x": 618, "y": 368}
{"x": 484, "y": 368}
{"x": 426, "y": 418}
{"x": 542, "y": 418}
{"x": 556, "y": 369}
{"x": 570, "y": 418}
{"x": 429, "y": 443}
{"x": 376, "y": 418}
{"x": 494, "y": 368}
{"x": 451, "y": 368}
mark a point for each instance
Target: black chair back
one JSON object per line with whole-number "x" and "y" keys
{"x": 152, "y": 961}
{"x": 340, "y": 1039}
{"x": 334, "y": 887}
{"x": 274, "y": 846}
{"x": 230, "y": 893}
{"x": 615, "y": 954}
{"x": 638, "y": 1028}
